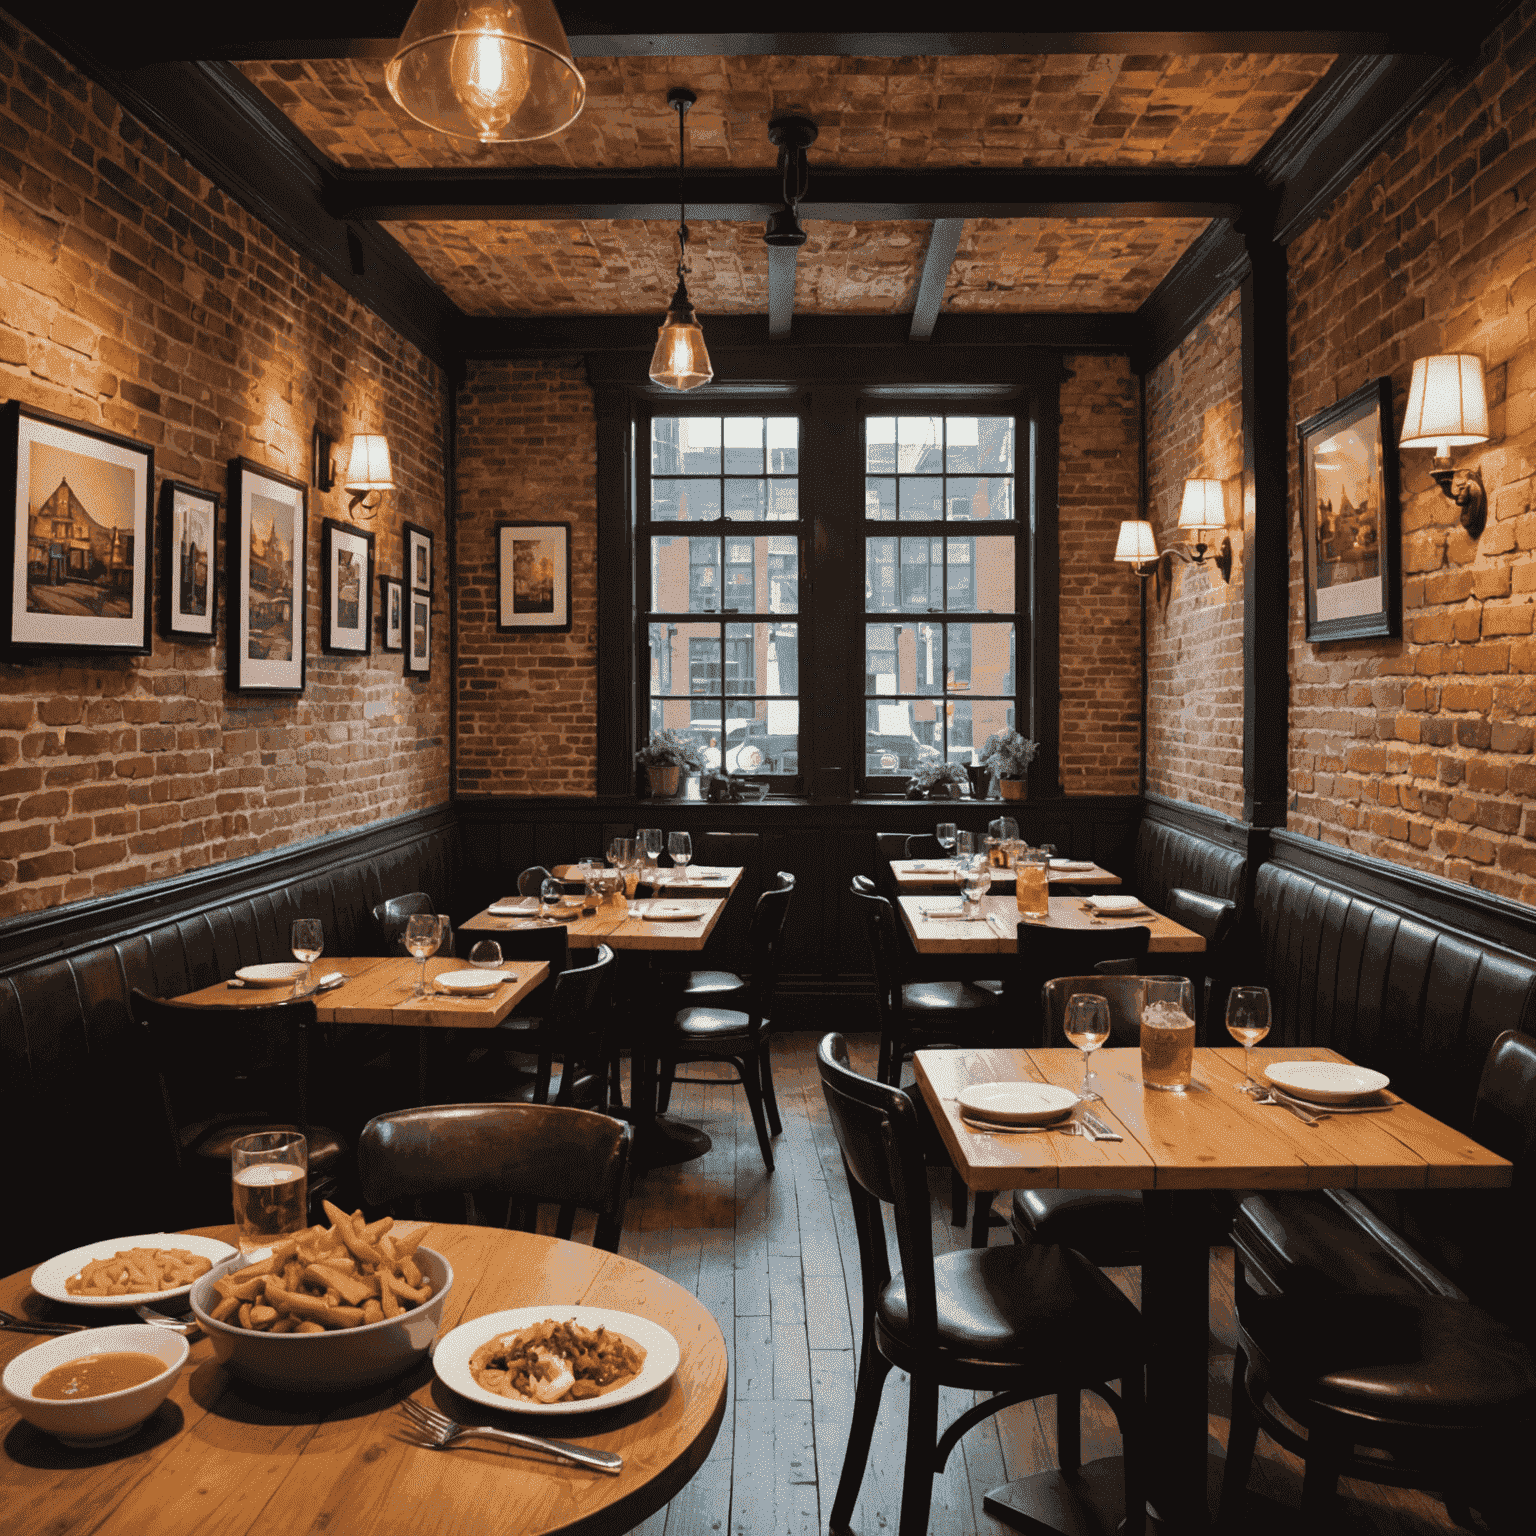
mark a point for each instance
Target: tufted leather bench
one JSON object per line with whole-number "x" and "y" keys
{"x": 1168, "y": 856}
{"x": 81, "y": 1125}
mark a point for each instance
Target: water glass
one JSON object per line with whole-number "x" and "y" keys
{"x": 551, "y": 894}
{"x": 1248, "y": 1023}
{"x": 651, "y": 843}
{"x": 269, "y": 1177}
{"x": 1087, "y": 1027}
{"x": 965, "y": 844}
{"x": 680, "y": 847}
{"x": 976, "y": 882}
{"x": 1004, "y": 828}
{"x": 307, "y": 940}
{"x": 486, "y": 955}
{"x": 423, "y": 933}
{"x": 944, "y": 835}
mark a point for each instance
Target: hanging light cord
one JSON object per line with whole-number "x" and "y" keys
{"x": 682, "y": 205}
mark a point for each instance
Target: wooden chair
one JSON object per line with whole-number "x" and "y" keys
{"x": 1047, "y": 952}
{"x": 712, "y": 1032}
{"x": 573, "y": 1028}
{"x": 1017, "y": 1322}
{"x": 502, "y": 1161}
{"x": 390, "y": 919}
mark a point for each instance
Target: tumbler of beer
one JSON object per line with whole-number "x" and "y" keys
{"x": 1167, "y": 1033}
{"x": 271, "y": 1187}
{"x": 1031, "y": 886}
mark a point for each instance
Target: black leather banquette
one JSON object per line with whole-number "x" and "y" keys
{"x": 81, "y": 1125}
{"x": 1170, "y": 853}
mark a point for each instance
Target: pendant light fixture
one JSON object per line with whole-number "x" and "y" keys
{"x": 681, "y": 360}
{"x": 493, "y": 70}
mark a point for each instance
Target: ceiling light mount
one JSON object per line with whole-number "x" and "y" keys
{"x": 793, "y": 134}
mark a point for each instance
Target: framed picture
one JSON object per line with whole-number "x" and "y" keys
{"x": 1350, "y": 550}
{"x": 392, "y": 605}
{"x": 189, "y": 587}
{"x": 418, "y": 558}
{"x": 418, "y": 655}
{"x": 533, "y": 567}
{"x": 265, "y": 538}
{"x": 346, "y": 589}
{"x": 79, "y": 569}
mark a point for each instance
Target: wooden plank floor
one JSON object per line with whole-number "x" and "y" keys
{"x": 776, "y": 1260}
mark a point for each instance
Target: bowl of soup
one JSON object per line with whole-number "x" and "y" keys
{"x": 98, "y": 1386}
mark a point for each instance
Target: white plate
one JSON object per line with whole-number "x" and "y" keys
{"x": 48, "y": 1278}
{"x": 1125, "y": 906}
{"x": 472, "y": 981}
{"x": 1017, "y": 1103}
{"x": 283, "y": 974}
{"x": 513, "y": 908}
{"x": 672, "y": 912}
{"x": 1078, "y": 864}
{"x": 450, "y": 1359}
{"x": 1325, "y": 1082}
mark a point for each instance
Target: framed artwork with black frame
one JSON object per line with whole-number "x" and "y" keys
{"x": 392, "y": 609}
{"x": 418, "y": 558}
{"x": 418, "y": 654}
{"x": 533, "y": 571}
{"x": 265, "y": 539}
{"x": 189, "y": 585}
{"x": 346, "y": 589}
{"x": 1351, "y": 553}
{"x": 79, "y": 569}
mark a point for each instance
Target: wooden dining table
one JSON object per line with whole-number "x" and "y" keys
{"x": 221, "y": 1456}
{"x": 1176, "y": 1148}
{"x": 948, "y": 936}
{"x": 916, "y": 875}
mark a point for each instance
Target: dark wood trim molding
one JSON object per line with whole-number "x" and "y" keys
{"x": 618, "y": 638}
{"x": 1209, "y": 270}
{"x": 1038, "y": 623}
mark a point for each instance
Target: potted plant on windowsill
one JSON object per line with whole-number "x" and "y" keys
{"x": 1009, "y": 755}
{"x": 664, "y": 757}
{"x": 938, "y": 781}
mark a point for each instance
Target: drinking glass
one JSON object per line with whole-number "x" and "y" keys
{"x": 444, "y": 934}
{"x": 423, "y": 933}
{"x": 944, "y": 835}
{"x": 486, "y": 954}
{"x": 551, "y": 894}
{"x": 620, "y": 851}
{"x": 651, "y": 842}
{"x": 307, "y": 940}
{"x": 965, "y": 844}
{"x": 1087, "y": 1027}
{"x": 975, "y": 882}
{"x": 1248, "y": 1023}
{"x": 269, "y": 1177}
{"x": 680, "y": 846}
{"x": 1003, "y": 828}
{"x": 1167, "y": 1033}
{"x": 1031, "y": 882}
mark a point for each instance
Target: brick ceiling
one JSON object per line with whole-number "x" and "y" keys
{"x": 1078, "y": 110}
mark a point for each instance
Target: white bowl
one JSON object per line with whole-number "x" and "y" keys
{"x": 338, "y": 1360}
{"x": 94, "y": 1420}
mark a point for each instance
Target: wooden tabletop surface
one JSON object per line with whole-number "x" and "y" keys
{"x": 219, "y": 1456}
{"x": 939, "y": 875}
{"x": 622, "y": 929}
{"x": 948, "y": 937}
{"x": 715, "y": 879}
{"x": 379, "y": 992}
{"x": 1210, "y": 1138}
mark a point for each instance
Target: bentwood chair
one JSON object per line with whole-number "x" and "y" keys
{"x": 500, "y": 1162}
{"x": 1016, "y": 1322}
{"x": 390, "y": 919}
{"x": 573, "y": 1028}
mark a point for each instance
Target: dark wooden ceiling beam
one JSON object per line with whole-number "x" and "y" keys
{"x": 781, "y": 290}
{"x": 1081, "y": 192}
{"x": 943, "y": 242}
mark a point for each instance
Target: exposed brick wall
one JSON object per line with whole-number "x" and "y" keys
{"x": 1419, "y": 750}
{"x": 137, "y": 297}
{"x": 527, "y": 716}
{"x": 1194, "y": 426}
{"x": 1100, "y": 619}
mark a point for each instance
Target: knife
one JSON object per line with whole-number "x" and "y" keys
{"x": 1102, "y": 1129}
{"x": 997, "y": 925}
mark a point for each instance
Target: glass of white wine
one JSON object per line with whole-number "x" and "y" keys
{"x": 307, "y": 940}
{"x": 1087, "y": 1027}
{"x": 1248, "y": 1023}
{"x": 423, "y": 933}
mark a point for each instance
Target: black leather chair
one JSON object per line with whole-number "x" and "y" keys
{"x": 501, "y": 1161}
{"x": 713, "y": 1032}
{"x": 390, "y": 919}
{"x": 1017, "y": 1322}
{"x": 573, "y": 1029}
{"x": 230, "y": 1072}
{"x": 1044, "y": 953}
{"x": 1211, "y": 971}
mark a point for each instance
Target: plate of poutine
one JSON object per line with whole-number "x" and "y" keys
{"x": 129, "y": 1271}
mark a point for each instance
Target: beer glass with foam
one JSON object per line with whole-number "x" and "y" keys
{"x": 270, "y": 1175}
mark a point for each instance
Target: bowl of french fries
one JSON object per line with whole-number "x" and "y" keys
{"x": 331, "y": 1309}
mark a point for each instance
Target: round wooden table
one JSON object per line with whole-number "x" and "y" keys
{"x": 221, "y": 1455}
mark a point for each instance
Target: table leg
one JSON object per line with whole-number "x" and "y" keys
{"x": 660, "y": 1141}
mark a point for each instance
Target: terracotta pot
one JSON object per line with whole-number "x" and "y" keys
{"x": 1013, "y": 789}
{"x": 660, "y": 781}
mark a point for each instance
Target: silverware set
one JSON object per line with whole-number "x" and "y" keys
{"x": 426, "y": 1427}
{"x": 10, "y": 1323}
{"x": 1084, "y": 1123}
{"x": 1315, "y": 1114}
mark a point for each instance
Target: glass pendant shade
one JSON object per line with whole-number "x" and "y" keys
{"x": 368, "y": 466}
{"x": 1203, "y": 505}
{"x": 1136, "y": 544}
{"x": 489, "y": 70}
{"x": 681, "y": 360}
{"x": 1447, "y": 405}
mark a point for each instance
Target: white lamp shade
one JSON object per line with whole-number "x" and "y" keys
{"x": 499, "y": 71}
{"x": 1137, "y": 543}
{"x": 1447, "y": 405}
{"x": 368, "y": 466}
{"x": 1203, "y": 506}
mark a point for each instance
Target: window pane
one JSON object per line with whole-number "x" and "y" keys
{"x": 783, "y": 500}
{"x": 685, "y": 445}
{"x": 762, "y": 659}
{"x": 743, "y": 445}
{"x": 918, "y": 443}
{"x": 922, "y": 498}
{"x": 898, "y": 735}
{"x": 685, "y": 500}
{"x": 745, "y": 500}
{"x": 978, "y": 498}
{"x": 922, "y": 575}
{"x": 880, "y": 575}
{"x": 762, "y": 736}
{"x": 880, "y": 444}
{"x": 960, "y": 732}
{"x": 903, "y": 658}
{"x": 980, "y": 443}
{"x": 685, "y": 574}
{"x": 880, "y": 500}
{"x": 992, "y": 589}
{"x": 783, "y": 445}
{"x": 989, "y": 716}
{"x": 990, "y": 647}
{"x": 783, "y": 574}
{"x": 673, "y": 649}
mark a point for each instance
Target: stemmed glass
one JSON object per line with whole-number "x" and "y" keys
{"x": 680, "y": 847}
{"x": 423, "y": 933}
{"x": 1248, "y": 1023}
{"x": 976, "y": 882}
{"x": 1087, "y": 1027}
{"x": 650, "y": 841}
{"x": 551, "y": 894}
{"x": 486, "y": 955}
{"x": 944, "y": 835}
{"x": 307, "y": 940}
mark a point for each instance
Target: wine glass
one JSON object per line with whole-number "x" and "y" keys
{"x": 423, "y": 933}
{"x": 307, "y": 940}
{"x": 944, "y": 835}
{"x": 551, "y": 894}
{"x": 486, "y": 955}
{"x": 1248, "y": 1023}
{"x": 965, "y": 844}
{"x": 1087, "y": 1027}
{"x": 680, "y": 846}
{"x": 651, "y": 843}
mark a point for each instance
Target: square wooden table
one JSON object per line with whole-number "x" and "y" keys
{"x": 914, "y": 875}
{"x": 1177, "y": 1146}
{"x": 946, "y": 936}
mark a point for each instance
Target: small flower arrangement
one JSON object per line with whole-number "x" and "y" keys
{"x": 935, "y": 779}
{"x": 670, "y": 749}
{"x": 1008, "y": 754}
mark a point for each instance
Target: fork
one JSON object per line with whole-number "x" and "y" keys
{"x": 189, "y": 1326}
{"x": 28, "y": 1325}
{"x": 431, "y": 1428}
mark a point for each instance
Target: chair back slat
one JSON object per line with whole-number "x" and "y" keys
{"x": 884, "y": 947}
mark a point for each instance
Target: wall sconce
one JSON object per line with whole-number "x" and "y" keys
{"x": 1137, "y": 547}
{"x": 1448, "y": 408}
{"x": 1204, "y": 508}
{"x": 368, "y": 473}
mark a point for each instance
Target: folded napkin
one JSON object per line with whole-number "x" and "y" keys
{"x": 1118, "y": 906}
{"x": 513, "y": 908}
{"x": 1075, "y": 864}
{"x": 949, "y": 915}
